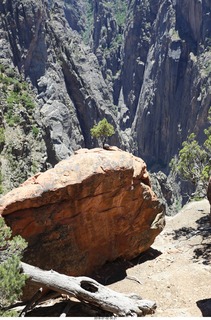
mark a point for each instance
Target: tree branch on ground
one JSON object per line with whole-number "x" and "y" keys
{"x": 90, "y": 291}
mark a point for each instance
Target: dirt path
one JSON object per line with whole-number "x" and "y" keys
{"x": 178, "y": 277}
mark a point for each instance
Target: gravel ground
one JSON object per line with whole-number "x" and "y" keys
{"x": 178, "y": 274}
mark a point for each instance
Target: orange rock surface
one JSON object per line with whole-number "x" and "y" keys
{"x": 91, "y": 208}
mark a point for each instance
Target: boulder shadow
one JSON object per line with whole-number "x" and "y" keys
{"x": 115, "y": 271}
{"x": 205, "y": 307}
{"x": 202, "y": 249}
{"x": 109, "y": 273}
{"x": 77, "y": 309}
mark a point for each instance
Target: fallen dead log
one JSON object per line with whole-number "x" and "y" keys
{"x": 88, "y": 290}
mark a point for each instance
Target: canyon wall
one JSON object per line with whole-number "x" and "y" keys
{"x": 143, "y": 65}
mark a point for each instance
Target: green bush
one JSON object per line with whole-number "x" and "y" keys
{"x": 193, "y": 163}
{"x": 35, "y": 131}
{"x": 11, "y": 280}
{"x": 12, "y": 119}
{"x": 2, "y": 67}
{"x": 16, "y": 86}
{"x": 14, "y": 99}
{"x": 26, "y": 100}
{"x": 102, "y": 130}
{"x": 2, "y": 135}
{"x": 4, "y": 88}
{"x": 10, "y": 72}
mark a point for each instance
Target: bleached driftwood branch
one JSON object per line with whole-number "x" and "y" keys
{"x": 88, "y": 290}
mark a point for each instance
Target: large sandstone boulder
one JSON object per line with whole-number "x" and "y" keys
{"x": 93, "y": 207}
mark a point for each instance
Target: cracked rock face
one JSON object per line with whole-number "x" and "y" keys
{"x": 93, "y": 207}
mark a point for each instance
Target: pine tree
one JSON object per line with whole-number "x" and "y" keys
{"x": 193, "y": 163}
{"x": 102, "y": 130}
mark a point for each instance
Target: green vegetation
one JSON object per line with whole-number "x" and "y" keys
{"x": 20, "y": 97}
{"x": 120, "y": 10}
{"x": 102, "y": 130}
{"x": 16, "y": 95}
{"x": 2, "y": 68}
{"x": 2, "y": 136}
{"x": 1, "y": 180}
{"x": 193, "y": 163}
{"x": 20, "y": 133}
{"x": 114, "y": 45}
{"x": 34, "y": 167}
{"x": 35, "y": 131}
{"x": 89, "y": 22}
{"x": 11, "y": 280}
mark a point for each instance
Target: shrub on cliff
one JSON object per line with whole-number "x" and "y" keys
{"x": 102, "y": 130}
{"x": 193, "y": 163}
{"x": 11, "y": 280}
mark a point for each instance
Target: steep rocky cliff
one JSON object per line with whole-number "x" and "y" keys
{"x": 70, "y": 94}
{"x": 144, "y": 65}
{"x": 175, "y": 95}
{"x": 163, "y": 88}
